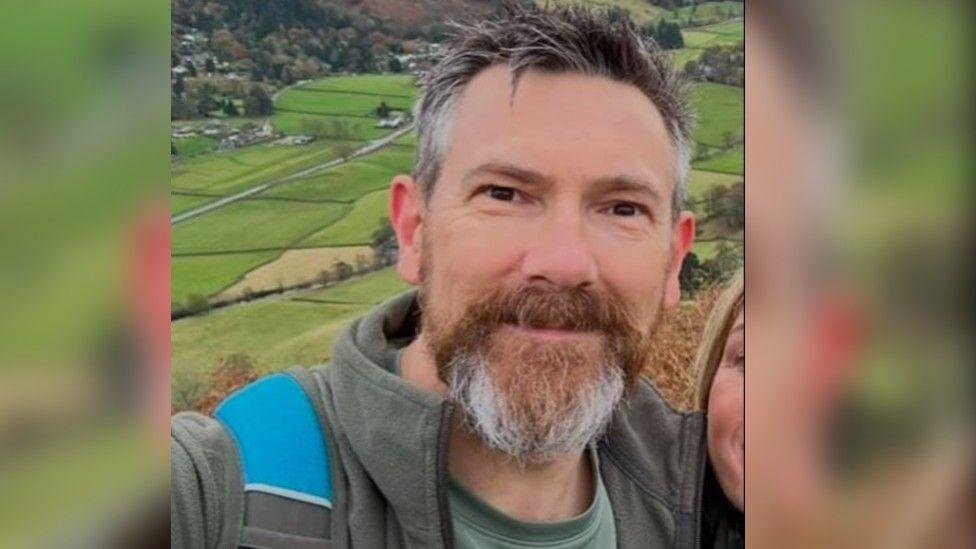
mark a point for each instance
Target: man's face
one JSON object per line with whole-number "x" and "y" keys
{"x": 554, "y": 201}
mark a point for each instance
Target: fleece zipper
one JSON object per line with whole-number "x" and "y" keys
{"x": 443, "y": 439}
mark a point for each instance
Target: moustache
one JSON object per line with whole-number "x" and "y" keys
{"x": 577, "y": 309}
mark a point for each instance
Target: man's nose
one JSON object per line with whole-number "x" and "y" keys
{"x": 559, "y": 253}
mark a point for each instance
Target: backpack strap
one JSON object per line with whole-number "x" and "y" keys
{"x": 284, "y": 462}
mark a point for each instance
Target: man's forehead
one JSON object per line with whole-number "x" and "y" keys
{"x": 560, "y": 124}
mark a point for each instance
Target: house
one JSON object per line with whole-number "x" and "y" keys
{"x": 295, "y": 140}
{"x": 213, "y": 127}
{"x": 391, "y": 122}
{"x": 183, "y": 132}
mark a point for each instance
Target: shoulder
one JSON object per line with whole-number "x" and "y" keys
{"x": 279, "y": 433}
{"x": 266, "y": 439}
{"x": 656, "y": 445}
{"x": 204, "y": 476}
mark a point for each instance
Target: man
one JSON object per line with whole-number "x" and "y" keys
{"x": 501, "y": 405}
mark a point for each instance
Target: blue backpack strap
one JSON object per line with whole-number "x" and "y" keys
{"x": 280, "y": 440}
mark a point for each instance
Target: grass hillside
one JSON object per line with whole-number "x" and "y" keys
{"x": 215, "y": 250}
{"x": 330, "y": 214}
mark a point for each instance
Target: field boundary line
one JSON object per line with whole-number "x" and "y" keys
{"x": 331, "y": 302}
{"x": 326, "y": 114}
{"x": 368, "y": 148}
{"x": 371, "y": 94}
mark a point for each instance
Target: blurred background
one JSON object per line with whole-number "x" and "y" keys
{"x": 857, "y": 218}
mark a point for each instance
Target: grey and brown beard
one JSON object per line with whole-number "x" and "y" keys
{"x": 536, "y": 400}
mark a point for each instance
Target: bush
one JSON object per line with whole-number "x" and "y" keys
{"x": 229, "y": 374}
{"x": 196, "y": 304}
{"x": 187, "y": 387}
{"x": 675, "y": 345}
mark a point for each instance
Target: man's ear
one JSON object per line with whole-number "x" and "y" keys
{"x": 406, "y": 217}
{"x": 682, "y": 237}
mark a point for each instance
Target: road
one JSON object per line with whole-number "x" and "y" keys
{"x": 221, "y": 202}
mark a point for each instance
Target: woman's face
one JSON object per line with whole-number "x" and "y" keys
{"x": 726, "y": 416}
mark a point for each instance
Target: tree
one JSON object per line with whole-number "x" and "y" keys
{"x": 728, "y": 139}
{"x": 257, "y": 102}
{"x": 181, "y": 107}
{"x": 339, "y": 129}
{"x": 179, "y": 87}
{"x": 205, "y": 100}
{"x": 715, "y": 201}
{"x": 196, "y": 304}
{"x": 394, "y": 65}
{"x": 342, "y": 270}
{"x": 230, "y": 109}
{"x": 727, "y": 258}
{"x": 287, "y": 76}
{"x": 187, "y": 388}
{"x": 384, "y": 243}
{"x": 344, "y": 150}
{"x": 668, "y": 35}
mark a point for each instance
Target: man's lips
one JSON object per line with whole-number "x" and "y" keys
{"x": 549, "y": 334}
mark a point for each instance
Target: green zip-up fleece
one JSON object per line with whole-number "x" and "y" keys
{"x": 387, "y": 445}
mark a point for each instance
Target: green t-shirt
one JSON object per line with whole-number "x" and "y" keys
{"x": 478, "y": 525}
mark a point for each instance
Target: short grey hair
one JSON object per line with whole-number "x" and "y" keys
{"x": 553, "y": 40}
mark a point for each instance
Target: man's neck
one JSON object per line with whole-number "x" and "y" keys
{"x": 555, "y": 490}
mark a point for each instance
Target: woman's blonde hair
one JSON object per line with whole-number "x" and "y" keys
{"x": 717, "y": 329}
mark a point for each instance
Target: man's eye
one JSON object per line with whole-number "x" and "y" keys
{"x": 501, "y": 193}
{"x": 625, "y": 209}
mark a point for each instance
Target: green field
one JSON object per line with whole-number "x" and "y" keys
{"x": 726, "y": 33}
{"x": 275, "y": 334}
{"x": 252, "y": 225}
{"x": 352, "y": 180}
{"x": 338, "y": 103}
{"x": 379, "y": 84}
{"x": 700, "y": 181}
{"x": 290, "y": 212}
{"x": 730, "y": 162}
{"x": 709, "y": 249}
{"x": 707, "y": 11}
{"x": 368, "y": 289}
{"x": 358, "y": 128}
{"x": 721, "y": 109}
{"x": 193, "y": 146}
{"x": 357, "y": 227}
{"x": 232, "y": 121}
{"x": 226, "y": 173}
{"x": 683, "y": 55}
{"x": 408, "y": 140}
{"x": 208, "y": 274}
{"x": 183, "y": 202}
{"x": 730, "y": 30}
{"x": 279, "y": 333}
{"x": 351, "y": 100}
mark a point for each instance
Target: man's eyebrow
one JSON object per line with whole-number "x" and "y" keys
{"x": 614, "y": 183}
{"x": 626, "y": 183}
{"x": 509, "y": 171}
